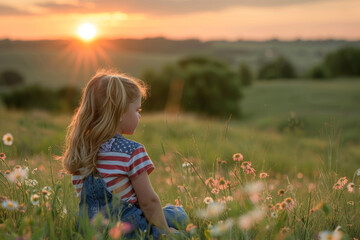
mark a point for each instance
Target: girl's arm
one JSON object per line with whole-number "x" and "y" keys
{"x": 149, "y": 201}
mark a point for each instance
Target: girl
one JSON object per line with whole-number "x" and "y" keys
{"x": 110, "y": 172}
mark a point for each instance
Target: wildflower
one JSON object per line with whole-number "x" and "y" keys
{"x": 238, "y": 157}
{"x": 274, "y": 214}
{"x": 34, "y": 170}
{"x": 181, "y": 188}
{"x": 340, "y": 183}
{"x": 18, "y": 175}
{"x": 2, "y": 156}
{"x": 288, "y": 203}
{"x": 223, "y": 184}
{"x": 98, "y": 221}
{"x": 350, "y": 203}
{"x": 246, "y": 221}
{"x": 229, "y": 199}
{"x": 300, "y": 175}
{"x": 221, "y": 227}
{"x": 191, "y": 228}
{"x": 208, "y": 200}
{"x": 35, "y": 199}
{"x": 178, "y": 202}
{"x": 269, "y": 198}
{"x": 281, "y": 192}
{"x": 9, "y": 205}
{"x": 186, "y": 164}
{"x": 271, "y": 207}
{"x": 213, "y": 210}
{"x": 211, "y": 182}
{"x": 351, "y": 187}
{"x": 46, "y": 191}
{"x": 263, "y": 175}
{"x": 246, "y": 165}
{"x": 278, "y": 206}
{"x": 31, "y": 182}
{"x": 8, "y": 139}
{"x": 215, "y": 191}
{"x": 119, "y": 229}
{"x": 325, "y": 235}
{"x": 61, "y": 173}
{"x": 358, "y": 172}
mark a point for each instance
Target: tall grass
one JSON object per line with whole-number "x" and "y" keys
{"x": 225, "y": 196}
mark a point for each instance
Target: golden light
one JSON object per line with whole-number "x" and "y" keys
{"x": 87, "y": 31}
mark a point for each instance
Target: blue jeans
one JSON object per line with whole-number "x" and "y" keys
{"x": 95, "y": 198}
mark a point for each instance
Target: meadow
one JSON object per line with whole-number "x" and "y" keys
{"x": 288, "y": 169}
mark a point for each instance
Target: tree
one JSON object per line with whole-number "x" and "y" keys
{"x": 279, "y": 68}
{"x": 197, "y": 84}
{"x": 344, "y": 62}
{"x": 245, "y": 74}
{"x": 11, "y": 78}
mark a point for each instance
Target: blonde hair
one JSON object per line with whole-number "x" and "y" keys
{"x": 104, "y": 100}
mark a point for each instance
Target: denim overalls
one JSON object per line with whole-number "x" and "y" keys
{"x": 96, "y": 198}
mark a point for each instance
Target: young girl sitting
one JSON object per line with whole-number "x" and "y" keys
{"x": 110, "y": 172}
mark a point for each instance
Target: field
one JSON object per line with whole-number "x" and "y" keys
{"x": 298, "y": 140}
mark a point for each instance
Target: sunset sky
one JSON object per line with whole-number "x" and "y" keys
{"x": 181, "y": 19}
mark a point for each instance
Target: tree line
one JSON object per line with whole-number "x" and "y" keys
{"x": 193, "y": 84}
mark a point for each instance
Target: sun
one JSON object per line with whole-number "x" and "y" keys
{"x": 87, "y": 31}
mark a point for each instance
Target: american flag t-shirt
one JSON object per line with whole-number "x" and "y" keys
{"x": 119, "y": 161}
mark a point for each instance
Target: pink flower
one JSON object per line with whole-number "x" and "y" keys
{"x": 2, "y": 156}
{"x": 238, "y": 157}
{"x": 263, "y": 175}
{"x": 120, "y": 229}
{"x": 340, "y": 183}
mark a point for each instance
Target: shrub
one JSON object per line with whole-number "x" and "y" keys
{"x": 279, "y": 68}
{"x": 11, "y": 78}
{"x": 38, "y": 97}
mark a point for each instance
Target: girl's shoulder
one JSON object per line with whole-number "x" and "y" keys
{"x": 120, "y": 144}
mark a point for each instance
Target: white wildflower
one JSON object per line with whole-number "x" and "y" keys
{"x": 213, "y": 210}
{"x": 8, "y": 139}
{"x": 208, "y": 200}
{"x": 221, "y": 227}
{"x": 18, "y": 175}
{"x": 9, "y": 205}
{"x": 35, "y": 199}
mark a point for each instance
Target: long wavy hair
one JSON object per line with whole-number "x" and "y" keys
{"x": 104, "y": 100}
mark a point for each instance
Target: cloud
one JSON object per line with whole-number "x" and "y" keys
{"x": 150, "y": 7}
{"x": 170, "y": 7}
{"x": 66, "y": 8}
{"x": 10, "y": 11}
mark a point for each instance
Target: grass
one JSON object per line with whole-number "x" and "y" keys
{"x": 306, "y": 160}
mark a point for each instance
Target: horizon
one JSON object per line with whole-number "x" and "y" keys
{"x": 183, "y": 39}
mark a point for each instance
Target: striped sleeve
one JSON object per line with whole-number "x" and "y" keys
{"x": 139, "y": 163}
